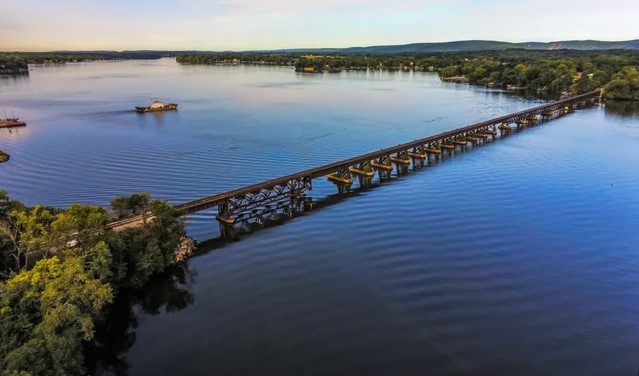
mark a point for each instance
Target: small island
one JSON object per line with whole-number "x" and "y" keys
{"x": 3, "y": 156}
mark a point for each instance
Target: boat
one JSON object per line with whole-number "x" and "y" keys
{"x": 11, "y": 122}
{"x": 157, "y": 106}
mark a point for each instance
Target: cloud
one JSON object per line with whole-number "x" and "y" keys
{"x": 251, "y": 24}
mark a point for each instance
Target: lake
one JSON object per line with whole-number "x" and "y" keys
{"x": 519, "y": 257}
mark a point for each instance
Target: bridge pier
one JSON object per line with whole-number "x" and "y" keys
{"x": 402, "y": 161}
{"x": 521, "y": 124}
{"x": 448, "y": 146}
{"x": 491, "y": 131}
{"x": 383, "y": 166}
{"x": 433, "y": 149}
{"x": 225, "y": 220}
{"x": 473, "y": 140}
{"x": 418, "y": 156}
{"x": 364, "y": 173}
{"x": 342, "y": 179}
{"x": 461, "y": 142}
{"x": 480, "y": 136}
{"x": 505, "y": 129}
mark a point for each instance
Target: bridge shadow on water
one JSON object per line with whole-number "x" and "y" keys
{"x": 622, "y": 108}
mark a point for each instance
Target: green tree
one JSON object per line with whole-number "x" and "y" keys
{"x": 449, "y": 71}
{"x": 46, "y": 313}
{"x": 81, "y": 224}
{"x": 140, "y": 253}
{"x": 128, "y": 206}
{"x": 27, "y": 234}
{"x": 624, "y": 84}
{"x": 584, "y": 84}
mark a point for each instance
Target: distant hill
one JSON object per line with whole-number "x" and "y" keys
{"x": 474, "y": 45}
{"x": 413, "y": 48}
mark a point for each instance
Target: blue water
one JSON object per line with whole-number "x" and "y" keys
{"x": 518, "y": 257}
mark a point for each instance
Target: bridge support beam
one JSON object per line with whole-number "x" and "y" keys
{"x": 225, "y": 220}
{"x": 262, "y": 206}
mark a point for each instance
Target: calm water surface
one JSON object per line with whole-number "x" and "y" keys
{"x": 519, "y": 257}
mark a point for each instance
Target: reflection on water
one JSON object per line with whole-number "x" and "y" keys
{"x": 14, "y": 80}
{"x": 116, "y": 333}
{"x": 623, "y": 108}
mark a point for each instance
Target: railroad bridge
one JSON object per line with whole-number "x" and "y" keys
{"x": 287, "y": 195}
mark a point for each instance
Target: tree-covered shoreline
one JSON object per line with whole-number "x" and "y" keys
{"x": 61, "y": 268}
{"x": 551, "y": 73}
{"x": 16, "y": 63}
{"x": 13, "y": 65}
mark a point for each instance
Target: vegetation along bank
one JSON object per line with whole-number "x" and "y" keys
{"x": 16, "y": 63}
{"x": 551, "y": 73}
{"x": 60, "y": 270}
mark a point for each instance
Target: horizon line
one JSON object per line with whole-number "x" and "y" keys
{"x": 321, "y": 48}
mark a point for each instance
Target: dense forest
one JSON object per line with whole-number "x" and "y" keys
{"x": 551, "y": 73}
{"x": 60, "y": 270}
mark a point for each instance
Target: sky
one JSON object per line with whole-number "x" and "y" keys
{"x": 45, "y": 25}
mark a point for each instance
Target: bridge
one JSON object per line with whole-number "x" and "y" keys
{"x": 287, "y": 194}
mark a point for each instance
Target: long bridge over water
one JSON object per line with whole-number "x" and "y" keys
{"x": 287, "y": 194}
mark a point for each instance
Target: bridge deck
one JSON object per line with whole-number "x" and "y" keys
{"x": 214, "y": 200}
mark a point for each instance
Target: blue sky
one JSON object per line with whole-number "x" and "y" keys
{"x": 36, "y": 25}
